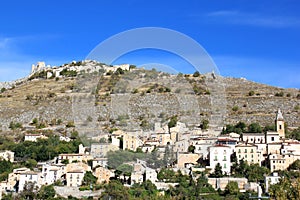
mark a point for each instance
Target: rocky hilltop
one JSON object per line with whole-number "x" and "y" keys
{"x": 97, "y": 97}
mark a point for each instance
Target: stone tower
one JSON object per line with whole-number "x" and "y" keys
{"x": 280, "y": 124}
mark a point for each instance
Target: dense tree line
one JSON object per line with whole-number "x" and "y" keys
{"x": 242, "y": 127}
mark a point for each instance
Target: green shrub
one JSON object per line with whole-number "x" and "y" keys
{"x": 251, "y": 93}
{"x": 196, "y": 74}
{"x": 235, "y": 108}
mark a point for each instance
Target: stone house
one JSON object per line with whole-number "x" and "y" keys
{"x": 103, "y": 174}
{"x": 99, "y": 150}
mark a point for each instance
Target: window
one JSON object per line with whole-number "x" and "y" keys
{"x": 224, "y": 165}
{"x": 272, "y": 139}
{"x": 224, "y": 158}
{"x": 239, "y": 150}
{"x": 240, "y": 156}
{"x": 245, "y": 150}
{"x": 216, "y": 158}
{"x": 251, "y": 151}
{"x": 280, "y": 127}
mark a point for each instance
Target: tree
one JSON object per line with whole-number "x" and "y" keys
{"x": 295, "y": 165}
{"x": 232, "y": 188}
{"x": 218, "y": 173}
{"x": 254, "y": 128}
{"x": 172, "y": 122}
{"x": 166, "y": 175}
{"x": 191, "y": 149}
{"x": 256, "y": 173}
{"x": 295, "y": 134}
{"x": 5, "y": 168}
{"x": 251, "y": 93}
{"x": 89, "y": 178}
{"x": 196, "y": 74}
{"x": 282, "y": 190}
{"x": 204, "y": 124}
{"x": 202, "y": 185}
{"x": 125, "y": 169}
{"x": 145, "y": 190}
{"x": 115, "y": 190}
{"x": 29, "y": 191}
{"x": 31, "y": 163}
{"x": 46, "y": 192}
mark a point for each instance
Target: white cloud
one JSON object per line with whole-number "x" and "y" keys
{"x": 253, "y": 19}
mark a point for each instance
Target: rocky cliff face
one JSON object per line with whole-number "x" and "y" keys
{"x": 138, "y": 98}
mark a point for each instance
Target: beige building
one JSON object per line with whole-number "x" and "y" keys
{"x": 280, "y": 124}
{"x": 75, "y": 157}
{"x": 131, "y": 141}
{"x": 187, "y": 158}
{"x": 162, "y": 138}
{"x": 282, "y": 161}
{"x": 74, "y": 178}
{"x": 249, "y": 153}
{"x": 7, "y": 155}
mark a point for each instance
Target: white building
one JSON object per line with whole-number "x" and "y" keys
{"x": 220, "y": 154}
{"x": 271, "y": 180}
{"x": 7, "y": 155}
{"x": 34, "y": 137}
{"x": 52, "y": 173}
{"x": 29, "y": 177}
{"x": 102, "y": 162}
{"x": 142, "y": 173}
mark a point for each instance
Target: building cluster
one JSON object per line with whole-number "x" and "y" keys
{"x": 86, "y": 66}
{"x": 186, "y": 148}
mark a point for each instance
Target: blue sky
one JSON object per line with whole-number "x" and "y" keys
{"x": 258, "y": 40}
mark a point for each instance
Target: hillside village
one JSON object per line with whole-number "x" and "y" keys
{"x": 215, "y": 154}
